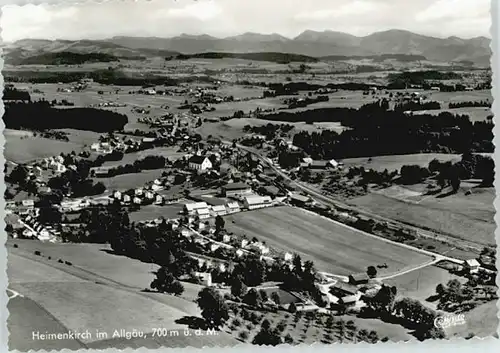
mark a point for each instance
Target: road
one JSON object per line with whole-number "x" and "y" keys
{"x": 329, "y": 201}
{"x": 325, "y": 199}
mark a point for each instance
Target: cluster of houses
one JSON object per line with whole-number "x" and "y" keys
{"x": 143, "y": 196}
{"x": 203, "y": 211}
{"x": 33, "y": 229}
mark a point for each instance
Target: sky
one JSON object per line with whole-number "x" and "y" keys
{"x": 58, "y": 19}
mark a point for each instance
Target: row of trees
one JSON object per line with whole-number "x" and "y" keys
{"x": 415, "y": 106}
{"x": 483, "y": 103}
{"x": 147, "y": 163}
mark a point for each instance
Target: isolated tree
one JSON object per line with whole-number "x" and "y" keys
{"x": 165, "y": 282}
{"x": 371, "y": 271}
{"x": 253, "y": 298}
{"x": 276, "y": 297}
{"x": 219, "y": 223}
{"x": 238, "y": 288}
{"x": 292, "y": 308}
{"x": 213, "y": 307}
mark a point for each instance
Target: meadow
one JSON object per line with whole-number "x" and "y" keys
{"x": 22, "y": 147}
{"x": 331, "y": 246}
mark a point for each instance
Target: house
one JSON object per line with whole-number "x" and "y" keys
{"x": 159, "y": 200}
{"x": 349, "y": 300}
{"x": 298, "y": 200}
{"x": 190, "y": 208}
{"x": 472, "y": 265}
{"x": 219, "y": 210}
{"x": 235, "y": 189}
{"x": 239, "y": 253}
{"x": 28, "y": 203}
{"x": 214, "y": 247}
{"x": 256, "y": 202}
{"x": 232, "y": 207}
{"x": 138, "y": 192}
{"x": 99, "y": 172}
{"x": 149, "y": 195}
{"x": 435, "y": 88}
{"x": 360, "y": 278}
{"x": 137, "y": 200}
{"x": 226, "y": 238}
{"x": 199, "y": 163}
{"x": 205, "y": 278}
{"x": 203, "y": 213}
{"x": 342, "y": 289}
{"x": 126, "y": 198}
{"x": 287, "y": 257}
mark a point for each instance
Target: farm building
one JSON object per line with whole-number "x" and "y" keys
{"x": 472, "y": 265}
{"x": 199, "y": 163}
{"x": 359, "y": 278}
{"x": 28, "y": 203}
{"x": 190, "y": 208}
{"x": 99, "y": 172}
{"x": 219, "y": 210}
{"x": 256, "y": 202}
{"x": 342, "y": 289}
{"x": 270, "y": 190}
{"x": 298, "y": 200}
{"x": 203, "y": 213}
{"x": 235, "y": 189}
{"x": 232, "y": 207}
{"x": 205, "y": 278}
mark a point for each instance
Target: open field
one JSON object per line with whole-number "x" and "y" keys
{"x": 421, "y": 284}
{"x": 482, "y": 321}
{"x": 21, "y": 147}
{"x": 152, "y": 212}
{"x": 131, "y": 180}
{"x": 395, "y": 162}
{"x": 129, "y": 158}
{"x": 67, "y": 296}
{"x": 470, "y": 217}
{"x": 233, "y": 128}
{"x": 474, "y": 113}
{"x": 332, "y": 247}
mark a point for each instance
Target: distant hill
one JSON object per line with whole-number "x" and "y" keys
{"x": 58, "y": 52}
{"x": 263, "y": 56}
{"x": 67, "y": 58}
{"x": 318, "y": 44}
{"x": 326, "y": 43}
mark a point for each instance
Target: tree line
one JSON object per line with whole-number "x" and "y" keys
{"x": 483, "y": 103}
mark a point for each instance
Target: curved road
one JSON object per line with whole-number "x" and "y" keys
{"x": 312, "y": 192}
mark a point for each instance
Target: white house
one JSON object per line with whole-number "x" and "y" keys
{"x": 239, "y": 253}
{"x": 28, "y": 203}
{"x": 117, "y": 195}
{"x": 149, "y": 195}
{"x": 219, "y": 210}
{"x": 205, "y": 278}
{"x": 472, "y": 265}
{"x": 232, "y": 207}
{"x": 138, "y": 192}
{"x": 287, "y": 257}
{"x": 199, "y": 163}
{"x": 226, "y": 238}
{"x": 203, "y": 213}
{"x": 190, "y": 208}
{"x": 137, "y": 201}
{"x": 256, "y": 202}
{"x": 126, "y": 198}
{"x": 159, "y": 199}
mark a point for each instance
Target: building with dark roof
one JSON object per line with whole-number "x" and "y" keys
{"x": 235, "y": 189}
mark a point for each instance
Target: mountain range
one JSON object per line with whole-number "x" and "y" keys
{"x": 311, "y": 43}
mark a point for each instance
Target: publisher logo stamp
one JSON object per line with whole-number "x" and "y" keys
{"x": 449, "y": 321}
